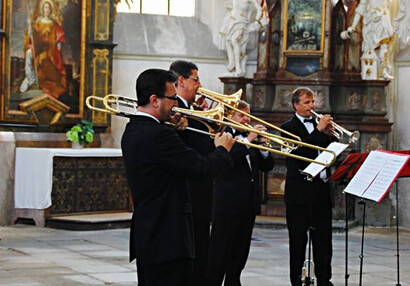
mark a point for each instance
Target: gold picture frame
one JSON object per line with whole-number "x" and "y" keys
{"x": 304, "y": 26}
{"x": 43, "y": 62}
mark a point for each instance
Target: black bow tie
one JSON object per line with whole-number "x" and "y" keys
{"x": 311, "y": 120}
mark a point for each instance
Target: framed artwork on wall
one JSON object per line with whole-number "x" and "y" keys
{"x": 304, "y": 22}
{"x": 44, "y": 66}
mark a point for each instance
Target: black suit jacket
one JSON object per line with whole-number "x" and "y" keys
{"x": 157, "y": 165}
{"x": 237, "y": 190}
{"x": 200, "y": 189}
{"x": 297, "y": 189}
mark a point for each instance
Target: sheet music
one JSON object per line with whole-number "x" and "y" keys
{"x": 314, "y": 169}
{"x": 376, "y": 175}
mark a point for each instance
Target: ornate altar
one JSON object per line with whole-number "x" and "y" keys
{"x": 301, "y": 46}
{"x": 54, "y": 54}
{"x": 59, "y": 182}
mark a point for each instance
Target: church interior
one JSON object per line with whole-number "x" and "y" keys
{"x": 99, "y": 47}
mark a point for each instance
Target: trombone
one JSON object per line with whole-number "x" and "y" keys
{"x": 338, "y": 131}
{"x": 231, "y": 103}
{"x": 126, "y": 107}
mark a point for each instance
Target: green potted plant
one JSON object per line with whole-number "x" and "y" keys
{"x": 81, "y": 134}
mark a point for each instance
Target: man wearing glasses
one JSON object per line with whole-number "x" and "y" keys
{"x": 157, "y": 165}
{"x": 200, "y": 190}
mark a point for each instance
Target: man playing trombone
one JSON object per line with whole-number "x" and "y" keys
{"x": 200, "y": 191}
{"x": 157, "y": 164}
{"x": 236, "y": 202}
{"x": 308, "y": 204}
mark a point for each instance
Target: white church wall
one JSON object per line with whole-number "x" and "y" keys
{"x": 152, "y": 41}
{"x": 127, "y": 69}
{"x": 401, "y": 132}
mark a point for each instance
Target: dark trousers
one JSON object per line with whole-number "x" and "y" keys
{"x": 201, "y": 239}
{"x": 299, "y": 218}
{"x": 229, "y": 248}
{"x": 170, "y": 273}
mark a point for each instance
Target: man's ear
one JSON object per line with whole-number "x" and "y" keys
{"x": 153, "y": 100}
{"x": 181, "y": 81}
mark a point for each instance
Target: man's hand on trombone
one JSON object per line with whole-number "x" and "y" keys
{"x": 180, "y": 122}
{"x": 201, "y": 103}
{"x": 252, "y": 136}
{"x": 224, "y": 139}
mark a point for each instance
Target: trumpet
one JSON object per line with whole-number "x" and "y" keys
{"x": 215, "y": 120}
{"x": 338, "y": 131}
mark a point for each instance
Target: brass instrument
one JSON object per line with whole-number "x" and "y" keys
{"x": 231, "y": 103}
{"x": 215, "y": 121}
{"x": 199, "y": 115}
{"x": 123, "y": 106}
{"x": 338, "y": 131}
{"x": 287, "y": 144}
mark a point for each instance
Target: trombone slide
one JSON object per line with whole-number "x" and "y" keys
{"x": 127, "y": 107}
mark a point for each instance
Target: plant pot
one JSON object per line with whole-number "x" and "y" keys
{"x": 76, "y": 145}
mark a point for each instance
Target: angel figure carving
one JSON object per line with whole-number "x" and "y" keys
{"x": 377, "y": 34}
{"x": 243, "y": 17}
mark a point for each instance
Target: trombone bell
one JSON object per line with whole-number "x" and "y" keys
{"x": 214, "y": 115}
{"x": 231, "y": 100}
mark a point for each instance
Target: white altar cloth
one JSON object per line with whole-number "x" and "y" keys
{"x": 34, "y": 172}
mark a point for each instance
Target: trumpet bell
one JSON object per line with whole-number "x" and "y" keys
{"x": 354, "y": 136}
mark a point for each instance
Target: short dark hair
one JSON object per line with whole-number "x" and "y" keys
{"x": 243, "y": 104}
{"x": 183, "y": 68}
{"x": 298, "y": 92}
{"x": 153, "y": 81}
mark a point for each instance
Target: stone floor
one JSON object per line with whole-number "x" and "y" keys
{"x": 43, "y": 256}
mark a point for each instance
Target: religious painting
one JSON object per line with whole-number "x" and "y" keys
{"x": 304, "y": 26}
{"x": 45, "y": 63}
{"x": 258, "y": 99}
{"x": 355, "y": 100}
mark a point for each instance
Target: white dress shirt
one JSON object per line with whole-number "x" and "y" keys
{"x": 310, "y": 127}
{"x": 264, "y": 154}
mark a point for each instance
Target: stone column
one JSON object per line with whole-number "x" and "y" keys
{"x": 7, "y": 158}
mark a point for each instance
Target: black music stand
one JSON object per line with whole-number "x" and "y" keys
{"x": 404, "y": 173}
{"x": 348, "y": 170}
{"x": 343, "y": 174}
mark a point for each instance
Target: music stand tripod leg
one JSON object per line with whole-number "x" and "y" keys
{"x": 308, "y": 280}
{"x": 397, "y": 235}
{"x": 362, "y": 202}
{"x": 346, "y": 240}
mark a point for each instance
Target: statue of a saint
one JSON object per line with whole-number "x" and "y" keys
{"x": 377, "y": 33}
{"x": 243, "y": 17}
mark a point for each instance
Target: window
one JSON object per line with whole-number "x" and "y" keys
{"x": 182, "y": 8}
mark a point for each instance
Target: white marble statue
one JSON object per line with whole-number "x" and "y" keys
{"x": 377, "y": 34}
{"x": 243, "y": 17}
{"x": 402, "y": 23}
